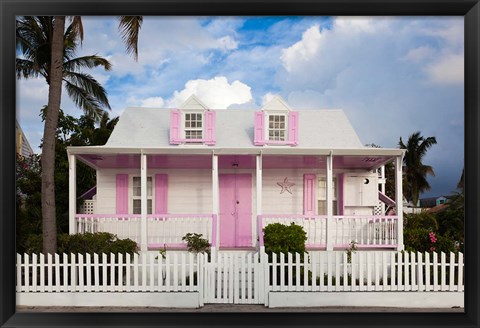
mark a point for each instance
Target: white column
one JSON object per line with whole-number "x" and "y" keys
{"x": 259, "y": 197}
{"x": 330, "y": 222}
{"x": 72, "y": 193}
{"x": 399, "y": 200}
{"x": 382, "y": 187}
{"x": 215, "y": 200}
{"x": 143, "y": 202}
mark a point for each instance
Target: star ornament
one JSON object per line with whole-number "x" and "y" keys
{"x": 286, "y": 186}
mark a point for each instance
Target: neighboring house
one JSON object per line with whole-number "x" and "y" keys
{"x": 22, "y": 147}
{"x": 229, "y": 173}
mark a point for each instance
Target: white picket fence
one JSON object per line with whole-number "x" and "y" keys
{"x": 240, "y": 278}
{"x": 366, "y": 271}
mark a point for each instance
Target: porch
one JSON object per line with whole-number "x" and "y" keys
{"x": 233, "y": 197}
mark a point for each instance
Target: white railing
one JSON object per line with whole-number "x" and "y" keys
{"x": 366, "y": 231}
{"x": 177, "y": 272}
{"x": 162, "y": 230}
{"x": 314, "y": 226}
{"x": 366, "y": 271}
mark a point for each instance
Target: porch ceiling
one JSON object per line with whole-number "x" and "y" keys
{"x": 156, "y": 161}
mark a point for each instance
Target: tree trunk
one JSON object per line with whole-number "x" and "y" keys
{"x": 48, "y": 148}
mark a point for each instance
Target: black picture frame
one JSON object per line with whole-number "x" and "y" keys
{"x": 470, "y": 9}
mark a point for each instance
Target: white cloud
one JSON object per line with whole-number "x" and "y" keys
{"x": 419, "y": 54}
{"x": 448, "y": 69}
{"x": 153, "y": 102}
{"x": 267, "y": 97}
{"x": 215, "y": 93}
{"x": 304, "y": 50}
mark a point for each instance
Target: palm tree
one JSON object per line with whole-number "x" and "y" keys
{"x": 129, "y": 27}
{"x": 35, "y": 40}
{"x": 415, "y": 171}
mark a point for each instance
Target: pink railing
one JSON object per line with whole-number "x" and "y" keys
{"x": 366, "y": 231}
{"x": 162, "y": 229}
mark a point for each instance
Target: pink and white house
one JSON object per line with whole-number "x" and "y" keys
{"x": 229, "y": 173}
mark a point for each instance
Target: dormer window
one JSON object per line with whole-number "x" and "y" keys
{"x": 276, "y": 125}
{"x": 192, "y": 124}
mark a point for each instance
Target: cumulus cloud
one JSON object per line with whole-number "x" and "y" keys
{"x": 449, "y": 69}
{"x": 215, "y": 93}
{"x": 153, "y": 102}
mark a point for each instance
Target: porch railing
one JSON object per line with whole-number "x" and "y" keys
{"x": 366, "y": 231}
{"x": 162, "y": 229}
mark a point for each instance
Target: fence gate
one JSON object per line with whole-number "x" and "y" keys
{"x": 235, "y": 278}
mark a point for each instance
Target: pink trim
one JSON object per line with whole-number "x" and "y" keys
{"x": 175, "y": 123}
{"x": 341, "y": 191}
{"x": 385, "y": 199}
{"x": 210, "y": 127}
{"x": 214, "y": 230}
{"x": 121, "y": 203}
{"x": 259, "y": 130}
{"x": 293, "y": 216}
{"x": 309, "y": 194}
{"x": 161, "y": 192}
{"x": 293, "y": 128}
{"x": 149, "y": 216}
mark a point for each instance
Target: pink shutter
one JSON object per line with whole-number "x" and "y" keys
{"x": 175, "y": 119}
{"x": 210, "y": 127}
{"x": 161, "y": 189}
{"x": 309, "y": 194}
{"x": 293, "y": 128}
{"x": 259, "y": 131}
{"x": 122, "y": 194}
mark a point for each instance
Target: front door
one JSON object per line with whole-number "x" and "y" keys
{"x": 235, "y": 210}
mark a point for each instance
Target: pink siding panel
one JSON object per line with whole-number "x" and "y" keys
{"x": 161, "y": 193}
{"x": 210, "y": 136}
{"x": 309, "y": 194}
{"x": 175, "y": 123}
{"x": 122, "y": 194}
{"x": 259, "y": 134}
{"x": 293, "y": 128}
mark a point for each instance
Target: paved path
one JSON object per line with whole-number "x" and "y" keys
{"x": 228, "y": 308}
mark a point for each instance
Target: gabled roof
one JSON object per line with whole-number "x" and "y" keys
{"x": 149, "y": 127}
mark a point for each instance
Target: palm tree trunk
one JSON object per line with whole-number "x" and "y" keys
{"x": 48, "y": 147}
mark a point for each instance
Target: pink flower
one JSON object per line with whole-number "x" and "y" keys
{"x": 433, "y": 239}
{"x": 432, "y": 249}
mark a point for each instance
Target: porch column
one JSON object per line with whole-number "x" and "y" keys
{"x": 72, "y": 193}
{"x": 259, "y": 202}
{"x": 399, "y": 200}
{"x": 215, "y": 203}
{"x": 143, "y": 202}
{"x": 329, "y": 182}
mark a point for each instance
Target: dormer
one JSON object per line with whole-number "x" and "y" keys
{"x": 192, "y": 123}
{"x": 276, "y": 124}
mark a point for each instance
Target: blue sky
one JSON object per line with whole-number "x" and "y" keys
{"x": 392, "y": 76}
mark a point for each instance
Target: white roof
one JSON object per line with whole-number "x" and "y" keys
{"x": 149, "y": 127}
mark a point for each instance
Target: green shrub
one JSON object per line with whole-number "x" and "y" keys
{"x": 419, "y": 240}
{"x": 279, "y": 238}
{"x": 196, "y": 243}
{"x": 101, "y": 242}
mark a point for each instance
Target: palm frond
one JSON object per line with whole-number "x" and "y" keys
{"x": 77, "y": 27}
{"x": 86, "y": 62}
{"x": 91, "y": 107}
{"x": 129, "y": 27}
{"x": 91, "y": 87}
{"x": 27, "y": 69}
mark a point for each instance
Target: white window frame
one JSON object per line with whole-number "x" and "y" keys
{"x": 195, "y": 129}
{"x": 323, "y": 198}
{"x": 150, "y": 197}
{"x": 267, "y": 126}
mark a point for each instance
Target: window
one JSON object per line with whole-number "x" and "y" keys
{"x": 136, "y": 195}
{"x": 193, "y": 126}
{"x": 322, "y": 196}
{"x": 277, "y": 128}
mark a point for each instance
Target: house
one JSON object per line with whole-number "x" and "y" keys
{"x": 228, "y": 173}
{"x": 22, "y": 146}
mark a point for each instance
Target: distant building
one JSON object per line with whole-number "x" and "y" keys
{"x": 22, "y": 147}
{"x": 433, "y": 201}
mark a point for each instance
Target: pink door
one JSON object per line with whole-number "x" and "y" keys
{"x": 235, "y": 210}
